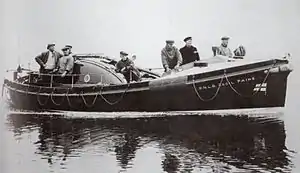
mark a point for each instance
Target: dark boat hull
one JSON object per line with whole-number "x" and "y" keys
{"x": 257, "y": 87}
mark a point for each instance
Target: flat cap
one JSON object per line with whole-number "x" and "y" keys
{"x": 170, "y": 41}
{"x": 65, "y": 48}
{"x": 50, "y": 44}
{"x": 187, "y": 38}
{"x": 123, "y": 53}
{"x": 225, "y": 38}
{"x": 69, "y": 46}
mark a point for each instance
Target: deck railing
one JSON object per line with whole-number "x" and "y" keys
{"x": 53, "y": 76}
{"x": 59, "y": 76}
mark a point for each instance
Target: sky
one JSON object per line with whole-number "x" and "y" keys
{"x": 267, "y": 28}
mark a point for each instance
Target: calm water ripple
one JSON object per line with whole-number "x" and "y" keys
{"x": 189, "y": 143}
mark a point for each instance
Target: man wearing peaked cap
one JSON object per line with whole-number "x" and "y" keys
{"x": 66, "y": 48}
{"x": 48, "y": 60}
{"x": 66, "y": 64}
{"x": 187, "y": 39}
{"x": 189, "y": 52}
{"x": 123, "y": 53}
{"x": 225, "y": 38}
{"x": 70, "y": 47}
{"x": 170, "y": 41}
{"x": 223, "y": 49}
{"x": 50, "y": 45}
{"x": 127, "y": 68}
{"x": 170, "y": 56}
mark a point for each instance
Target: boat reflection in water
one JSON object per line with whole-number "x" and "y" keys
{"x": 208, "y": 143}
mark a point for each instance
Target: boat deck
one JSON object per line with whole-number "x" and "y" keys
{"x": 217, "y": 64}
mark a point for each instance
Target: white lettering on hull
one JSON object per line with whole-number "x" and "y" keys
{"x": 225, "y": 84}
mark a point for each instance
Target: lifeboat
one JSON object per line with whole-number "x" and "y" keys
{"x": 210, "y": 84}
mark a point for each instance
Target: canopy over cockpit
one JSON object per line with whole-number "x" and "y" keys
{"x": 89, "y": 69}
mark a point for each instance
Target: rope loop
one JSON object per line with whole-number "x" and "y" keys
{"x": 38, "y": 98}
{"x": 54, "y": 102}
{"x": 85, "y": 102}
{"x": 116, "y": 101}
{"x": 211, "y": 98}
{"x": 68, "y": 99}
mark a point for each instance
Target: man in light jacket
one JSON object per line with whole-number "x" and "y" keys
{"x": 224, "y": 49}
{"x": 170, "y": 56}
{"x": 66, "y": 63}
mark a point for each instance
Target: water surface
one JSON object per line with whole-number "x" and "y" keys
{"x": 240, "y": 142}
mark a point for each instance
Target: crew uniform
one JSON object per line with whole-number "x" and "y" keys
{"x": 127, "y": 68}
{"x": 170, "y": 56}
{"x": 189, "y": 53}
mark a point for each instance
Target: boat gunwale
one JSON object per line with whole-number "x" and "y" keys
{"x": 225, "y": 72}
{"x": 234, "y": 69}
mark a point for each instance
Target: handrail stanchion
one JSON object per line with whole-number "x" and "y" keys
{"x": 72, "y": 81}
{"x": 130, "y": 75}
{"x": 51, "y": 81}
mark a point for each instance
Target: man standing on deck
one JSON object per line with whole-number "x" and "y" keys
{"x": 65, "y": 65}
{"x": 71, "y": 54}
{"x": 48, "y": 60}
{"x": 77, "y": 64}
{"x": 170, "y": 56}
{"x": 70, "y": 50}
{"x": 127, "y": 68}
{"x": 223, "y": 49}
{"x": 189, "y": 52}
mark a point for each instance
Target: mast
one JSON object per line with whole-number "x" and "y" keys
{"x": 19, "y": 69}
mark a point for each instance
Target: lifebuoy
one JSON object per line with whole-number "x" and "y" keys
{"x": 87, "y": 78}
